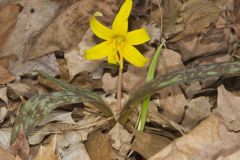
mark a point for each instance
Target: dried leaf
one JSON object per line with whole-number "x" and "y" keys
{"x": 5, "y": 76}
{"x": 3, "y": 95}
{"x": 76, "y": 63}
{"x": 185, "y": 147}
{"x": 99, "y": 147}
{"x": 148, "y": 144}
{"x": 58, "y": 116}
{"x": 47, "y": 152}
{"x": 67, "y": 30}
{"x": 171, "y": 17}
{"x": 8, "y": 20}
{"x": 227, "y": 106}
{"x": 47, "y": 64}
{"x": 197, "y": 109}
{"x": 20, "y": 147}
{"x": 5, "y": 134}
{"x": 5, "y": 155}
{"x": 197, "y": 16}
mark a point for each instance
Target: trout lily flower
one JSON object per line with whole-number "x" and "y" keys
{"x": 119, "y": 42}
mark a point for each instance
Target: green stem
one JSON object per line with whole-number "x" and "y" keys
{"x": 151, "y": 72}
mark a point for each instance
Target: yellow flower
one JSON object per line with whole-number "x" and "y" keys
{"x": 119, "y": 42}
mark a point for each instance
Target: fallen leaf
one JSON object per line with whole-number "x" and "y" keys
{"x": 197, "y": 109}
{"x": 121, "y": 139}
{"x": 20, "y": 147}
{"x": 3, "y": 95}
{"x": 8, "y": 20}
{"x": 58, "y": 116}
{"x": 234, "y": 156}
{"x": 171, "y": 18}
{"x": 20, "y": 89}
{"x": 47, "y": 64}
{"x": 99, "y": 147}
{"x": 204, "y": 134}
{"x": 228, "y": 108}
{"x": 197, "y": 16}
{"x": 47, "y": 152}
{"x": 76, "y": 63}
{"x": 5, "y": 155}
{"x": 154, "y": 32}
{"x": 148, "y": 144}
{"x": 3, "y": 113}
{"x": 5, "y": 76}
{"x": 5, "y": 134}
{"x": 67, "y": 29}
{"x": 28, "y": 24}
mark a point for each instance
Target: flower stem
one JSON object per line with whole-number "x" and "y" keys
{"x": 119, "y": 90}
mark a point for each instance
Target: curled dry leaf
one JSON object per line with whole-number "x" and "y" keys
{"x": 8, "y": 20}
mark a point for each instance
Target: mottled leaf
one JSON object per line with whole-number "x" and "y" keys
{"x": 178, "y": 77}
{"x": 36, "y": 108}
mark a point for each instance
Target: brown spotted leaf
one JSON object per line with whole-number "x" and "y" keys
{"x": 178, "y": 77}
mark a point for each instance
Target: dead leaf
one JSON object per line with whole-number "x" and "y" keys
{"x": 234, "y": 156}
{"x": 5, "y": 134}
{"x": 47, "y": 152}
{"x": 8, "y": 20}
{"x": 148, "y": 144}
{"x": 197, "y": 109}
{"x": 47, "y": 64}
{"x": 58, "y": 116}
{"x": 28, "y": 23}
{"x": 5, "y": 76}
{"x": 5, "y": 155}
{"x": 154, "y": 32}
{"x": 204, "y": 134}
{"x": 67, "y": 30}
{"x": 20, "y": 147}
{"x": 3, "y": 95}
{"x": 208, "y": 140}
{"x": 3, "y": 113}
{"x": 228, "y": 108}
{"x": 20, "y": 89}
{"x": 76, "y": 63}
{"x": 121, "y": 139}
{"x": 171, "y": 18}
{"x": 197, "y": 16}
{"x": 99, "y": 147}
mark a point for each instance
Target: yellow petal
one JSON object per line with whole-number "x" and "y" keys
{"x": 137, "y": 37}
{"x": 132, "y": 55}
{"x": 99, "y": 51}
{"x": 99, "y": 29}
{"x": 112, "y": 57}
{"x": 120, "y": 23}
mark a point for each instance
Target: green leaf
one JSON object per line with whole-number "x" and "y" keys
{"x": 178, "y": 77}
{"x": 150, "y": 76}
{"x": 37, "y": 107}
